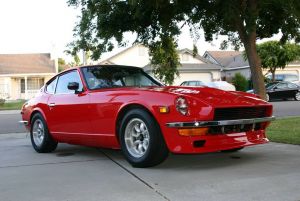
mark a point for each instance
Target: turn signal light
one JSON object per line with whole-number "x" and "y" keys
{"x": 192, "y": 131}
{"x": 163, "y": 109}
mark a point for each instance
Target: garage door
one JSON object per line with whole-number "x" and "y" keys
{"x": 204, "y": 77}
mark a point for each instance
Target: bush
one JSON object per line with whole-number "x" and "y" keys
{"x": 2, "y": 101}
{"x": 240, "y": 82}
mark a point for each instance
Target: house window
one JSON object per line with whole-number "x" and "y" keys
{"x": 32, "y": 84}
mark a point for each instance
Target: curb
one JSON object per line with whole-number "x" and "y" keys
{"x": 10, "y": 111}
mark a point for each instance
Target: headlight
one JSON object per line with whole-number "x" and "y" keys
{"x": 182, "y": 105}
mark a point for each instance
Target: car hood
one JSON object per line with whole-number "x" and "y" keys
{"x": 212, "y": 96}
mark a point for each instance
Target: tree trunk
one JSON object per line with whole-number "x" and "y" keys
{"x": 248, "y": 38}
{"x": 255, "y": 67}
{"x": 273, "y": 74}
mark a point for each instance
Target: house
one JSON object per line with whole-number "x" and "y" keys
{"x": 192, "y": 68}
{"x": 233, "y": 62}
{"x": 136, "y": 55}
{"x": 22, "y": 75}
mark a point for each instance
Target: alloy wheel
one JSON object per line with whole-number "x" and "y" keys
{"x": 137, "y": 137}
{"x": 38, "y": 132}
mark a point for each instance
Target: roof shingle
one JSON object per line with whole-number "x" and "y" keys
{"x": 26, "y": 63}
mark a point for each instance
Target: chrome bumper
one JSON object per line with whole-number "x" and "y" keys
{"x": 24, "y": 122}
{"x": 197, "y": 124}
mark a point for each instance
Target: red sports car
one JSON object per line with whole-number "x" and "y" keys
{"x": 122, "y": 107}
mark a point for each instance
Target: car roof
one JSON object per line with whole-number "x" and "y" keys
{"x": 109, "y": 66}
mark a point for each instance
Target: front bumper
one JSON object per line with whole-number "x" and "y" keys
{"x": 229, "y": 134}
{"x": 198, "y": 124}
{"x": 23, "y": 122}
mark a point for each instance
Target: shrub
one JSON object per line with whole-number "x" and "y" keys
{"x": 2, "y": 101}
{"x": 240, "y": 82}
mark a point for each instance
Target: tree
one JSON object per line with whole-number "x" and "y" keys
{"x": 240, "y": 82}
{"x": 244, "y": 21}
{"x": 276, "y": 55}
{"x": 76, "y": 61}
{"x": 61, "y": 64}
{"x": 165, "y": 60}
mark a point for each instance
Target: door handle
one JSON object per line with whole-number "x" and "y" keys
{"x": 51, "y": 104}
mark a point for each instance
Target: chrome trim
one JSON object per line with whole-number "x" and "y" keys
{"x": 51, "y": 104}
{"x": 197, "y": 124}
{"x": 24, "y": 122}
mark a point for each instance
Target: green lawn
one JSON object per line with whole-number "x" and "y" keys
{"x": 12, "y": 105}
{"x": 285, "y": 130}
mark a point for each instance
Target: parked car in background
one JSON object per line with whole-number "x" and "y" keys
{"x": 223, "y": 85}
{"x": 284, "y": 77}
{"x": 192, "y": 83}
{"x": 281, "y": 90}
{"x": 122, "y": 107}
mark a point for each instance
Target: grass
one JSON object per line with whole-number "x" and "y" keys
{"x": 12, "y": 105}
{"x": 285, "y": 130}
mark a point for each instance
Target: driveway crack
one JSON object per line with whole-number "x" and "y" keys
{"x": 135, "y": 176}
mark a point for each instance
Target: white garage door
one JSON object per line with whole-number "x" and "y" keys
{"x": 204, "y": 77}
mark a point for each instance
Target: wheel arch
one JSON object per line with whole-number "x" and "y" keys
{"x": 36, "y": 111}
{"x": 122, "y": 112}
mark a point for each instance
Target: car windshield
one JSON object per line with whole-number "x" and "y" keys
{"x": 98, "y": 77}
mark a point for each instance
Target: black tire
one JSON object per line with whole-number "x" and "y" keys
{"x": 47, "y": 144}
{"x": 156, "y": 151}
{"x": 297, "y": 96}
{"x": 232, "y": 150}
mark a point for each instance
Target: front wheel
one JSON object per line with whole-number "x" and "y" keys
{"x": 41, "y": 139}
{"x": 267, "y": 97}
{"x": 141, "y": 140}
{"x": 297, "y": 96}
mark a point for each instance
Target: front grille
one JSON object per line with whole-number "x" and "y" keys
{"x": 239, "y": 113}
{"x": 234, "y": 128}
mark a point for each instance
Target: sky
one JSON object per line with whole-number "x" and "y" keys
{"x": 46, "y": 26}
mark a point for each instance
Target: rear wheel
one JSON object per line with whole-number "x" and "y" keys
{"x": 297, "y": 96}
{"x": 41, "y": 140}
{"x": 141, "y": 140}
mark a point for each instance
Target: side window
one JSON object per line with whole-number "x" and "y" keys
{"x": 50, "y": 88}
{"x": 63, "y": 81}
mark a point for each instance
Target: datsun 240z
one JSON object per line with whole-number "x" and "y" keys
{"x": 122, "y": 107}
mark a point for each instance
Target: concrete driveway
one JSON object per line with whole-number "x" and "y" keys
{"x": 265, "y": 172}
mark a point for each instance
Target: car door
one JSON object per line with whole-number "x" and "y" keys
{"x": 69, "y": 111}
{"x": 292, "y": 90}
{"x": 279, "y": 91}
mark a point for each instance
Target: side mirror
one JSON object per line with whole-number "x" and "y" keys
{"x": 73, "y": 86}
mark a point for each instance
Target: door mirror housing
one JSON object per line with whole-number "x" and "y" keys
{"x": 73, "y": 86}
